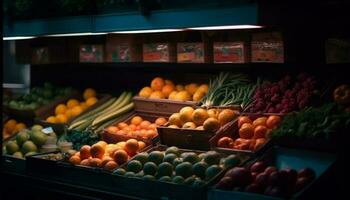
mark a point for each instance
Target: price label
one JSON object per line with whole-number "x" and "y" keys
{"x": 47, "y": 130}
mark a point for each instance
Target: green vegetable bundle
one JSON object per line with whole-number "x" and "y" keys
{"x": 323, "y": 122}
{"x": 229, "y": 89}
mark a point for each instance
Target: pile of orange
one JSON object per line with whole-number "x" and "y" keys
{"x": 202, "y": 119}
{"x": 166, "y": 89}
{"x": 107, "y": 156}
{"x": 137, "y": 128}
{"x": 253, "y": 134}
{"x": 73, "y": 107}
{"x": 12, "y": 127}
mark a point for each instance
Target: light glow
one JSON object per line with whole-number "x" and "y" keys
{"x": 74, "y": 34}
{"x": 149, "y": 31}
{"x": 18, "y": 38}
{"x": 227, "y": 27}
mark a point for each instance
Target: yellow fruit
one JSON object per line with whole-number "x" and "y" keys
{"x": 204, "y": 88}
{"x": 76, "y": 111}
{"x": 61, "y": 118}
{"x": 199, "y": 116}
{"x": 174, "y": 119}
{"x": 72, "y": 103}
{"x": 191, "y": 88}
{"x": 214, "y": 113}
{"x": 211, "y": 124}
{"x": 10, "y": 125}
{"x": 186, "y": 114}
{"x": 172, "y": 95}
{"x": 145, "y": 92}
{"x": 88, "y": 93}
{"x": 52, "y": 119}
{"x": 157, "y": 83}
{"x": 183, "y": 96}
{"x": 189, "y": 125}
{"x": 19, "y": 127}
{"x": 91, "y": 101}
{"x": 60, "y": 109}
{"x": 167, "y": 90}
{"x": 157, "y": 95}
{"x": 226, "y": 116}
{"x": 68, "y": 113}
{"x": 179, "y": 87}
{"x": 198, "y": 95}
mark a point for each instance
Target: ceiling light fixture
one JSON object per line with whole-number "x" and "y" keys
{"x": 149, "y": 31}
{"x": 226, "y": 27}
{"x": 18, "y": 38}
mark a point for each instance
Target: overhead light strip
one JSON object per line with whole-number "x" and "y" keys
{"x": 204, "y": 28}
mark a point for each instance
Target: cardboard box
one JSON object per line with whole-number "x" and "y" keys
{"x": 191, "y": 53}
{"x": 230, "y": 52}
{"x": 91, "y": 53}
{"x": 158, "y": 52}
{"x": 267, "y": 47}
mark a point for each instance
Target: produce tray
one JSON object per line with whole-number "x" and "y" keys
{"x": 192, "y": 138}
{"x": 60, "y": 128}
{"x": 161, "y": 106}
{"x": 29, "y": 115}
{"x": 282, "y": 158}
{"x": 161, "y": 190}
{"x": 234, "y": 135}
{"x": 114, "y": 138}
{"x": 37, "y": 164}
{"x": 12, "y": 163}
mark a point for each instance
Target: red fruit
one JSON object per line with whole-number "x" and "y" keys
{"x": 254, "y": 188}
{"x": 257, "y": 167}
{"x": 226, "y": 183}
{"x": 274, "y": 178}
{"x": 254, "y": 174}
{"x": 240, "y": 176}
{"x": 262, "y": 179}
{"x": 307, "y": 173}
{"x": 301, "y": 183}
{"x": 270, "y": 169}
{"x": 225, "y": 142}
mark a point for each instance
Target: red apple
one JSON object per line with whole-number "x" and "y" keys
{"x": 257, "y": 167}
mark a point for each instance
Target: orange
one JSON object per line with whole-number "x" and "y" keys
{"x": 259, "y": 143}
{"x": 273, "y": 121}
{"x": 75, "y": 160}
{"x": 105, "y": 160}
{"x": 157, "y": 95}
{"x": 85, "y": 152}
{"x": 120, "y": 157}
{"x": 152, "y": 127}
{"x": 183, "y": 96}
{"x": 91, "y": 101}
{"x": 145, "y": 92}
{"x": 102, "y": 143}
{"x": 136, "y": 120}
{"x": 246, "y": 131}
{"x": 226, "y": 116}
{"x": 167, "y": 90}
{"x": 85, "y": 162}
{"x": 132, "y": 127}
{"x": 72, "y": 103}
{"x": 131, "y": 146}
{"x": 52, "y": 119}
{"x": 199, "y": 116}
{"x": 111, "y": 165}
{"x": 112, "y": 129}
{"x": 97, "y": 151}
{"x": 141, "y": 145}
{"x": 260, "y": 121}
{"x": 174, "y": 119}
{"x": 144, "y": 124}
{"x": 191, "y": 88}
{"x": 169, "y": 82}
{"x": 160, "y": 121}
{"x": 157, "y": 83}
{"x": 122, "y": 125}
{"x": 88, "y": 93}
{"x": 61, "y": 118}
{"x": 143, "y": 133}
{"x": 242, "y": 120}
{"x": 213, "y": 112}
{"x": 204, "y": 88}
{"x": 76, "y": 110}
{"x": 260, "y": 131}
{"x": 68, "y": 113}
{"x": 179, "y": 87}
{"x": 95, "y": 162}
{"x": 121, "y": 144}
{"x": 83, "y": 105}
{"x": 198, "y": 95}
{"x": 175, "y": 126}
{"x": 60, "y": 109}
{"x": 172, "y": 95}
{"x": 186, "y": 114}
{"x": 19, "y": 127}
{"x": 77, "y": 154}
{"x": 151, "y": 134}
{"x": 10, "y": 125}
